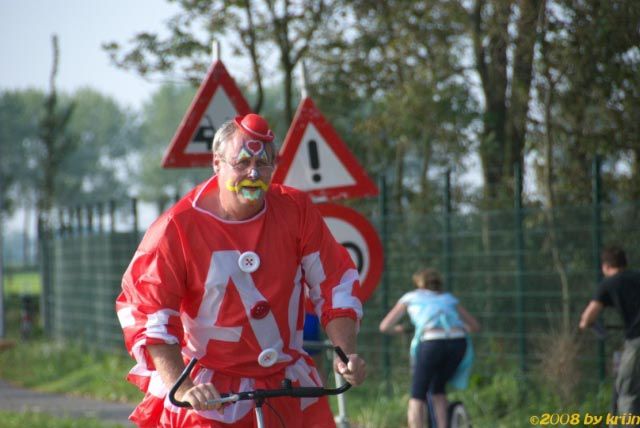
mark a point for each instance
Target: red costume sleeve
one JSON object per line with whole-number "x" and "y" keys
{"x": 152, "y": 289}
{"x": 329, "y": 271}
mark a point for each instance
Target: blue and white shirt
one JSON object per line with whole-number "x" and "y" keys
{"x": 428, "y": 310}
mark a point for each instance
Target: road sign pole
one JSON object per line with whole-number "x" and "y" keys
{"x": 303, "y": 80}
{"x": 386, "y": 341}
{"x": 215, "y": 51}
{"x": 2, "y": 326}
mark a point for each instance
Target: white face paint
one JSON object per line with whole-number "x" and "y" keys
{"x": 244, "y": 174}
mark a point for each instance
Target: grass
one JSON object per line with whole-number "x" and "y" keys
{"x": 505, "y": 399}
{"x": 21, "y": 283}
{"x": 69, "y": 368}
{"x": 65, "y": 368}
{"x": 372, "y": 407}
{"x": 29, "y": 419}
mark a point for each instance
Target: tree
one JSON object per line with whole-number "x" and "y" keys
{"x": 586, "y": 90}
{"x": 397, "y": 84}
{"x": 54, "y": 143}
{"x": 588, "y": 81}
{"x": 160, "y": 118}
{"x": 106, "y": 135}
{"x": 18, "y": 125}
{"x": 505, "y": 82}
{"x": 255, "y": 27}
{"x": 79, "y": 150}
{"x": 19, "y": 111}
{"x": 62, "y": 151}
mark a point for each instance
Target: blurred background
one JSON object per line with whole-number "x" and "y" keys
{"x": 504, "y": 137}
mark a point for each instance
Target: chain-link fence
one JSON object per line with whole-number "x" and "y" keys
{"x": 526, "y": 273}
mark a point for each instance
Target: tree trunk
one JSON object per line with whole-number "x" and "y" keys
{"x": 423, "y": 204}
{"x": 399, "y": 175}
{"x": 491, "y": 65}
{"x": 288, "y": 91}
{"x": 528, "y": 29}
{"x": 26, "y": 226}
{"x": 549, "y": 189}
{"x": 550, "y": 211}
{"x": 635, "y": 177}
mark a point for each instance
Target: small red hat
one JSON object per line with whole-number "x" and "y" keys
{"x": 255, "y": 126}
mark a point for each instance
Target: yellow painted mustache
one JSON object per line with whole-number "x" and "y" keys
{"x": 246, "y": 183}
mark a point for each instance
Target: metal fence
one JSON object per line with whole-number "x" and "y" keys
{"x": 524, "y": 272}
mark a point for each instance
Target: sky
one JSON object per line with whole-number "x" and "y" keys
{"x": 82, "y": 26}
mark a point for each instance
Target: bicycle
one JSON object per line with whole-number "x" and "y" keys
{"x": 457, "y": 415}
{"x": 260, "y": 395}
{"x": 340, "y": 419}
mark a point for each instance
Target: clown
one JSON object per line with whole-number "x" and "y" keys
{"x": 223, "y": 276}
{"x": 250, "y": 157}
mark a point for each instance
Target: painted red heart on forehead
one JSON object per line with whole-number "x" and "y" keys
{"x": 254, "y": 146}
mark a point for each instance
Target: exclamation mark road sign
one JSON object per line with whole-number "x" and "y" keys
{"x": 314, "y": 160}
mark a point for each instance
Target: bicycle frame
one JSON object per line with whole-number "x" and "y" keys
{"x": 260, "y": 395}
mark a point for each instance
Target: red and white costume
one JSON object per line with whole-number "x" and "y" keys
{"x": 184, "y": 285}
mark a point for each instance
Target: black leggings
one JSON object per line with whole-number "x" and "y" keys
{"x": 436, "y": 362}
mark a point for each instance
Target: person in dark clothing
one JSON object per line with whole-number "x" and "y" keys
{"x": 620, "y": 289}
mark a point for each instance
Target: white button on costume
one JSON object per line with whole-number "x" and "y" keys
{"x": 249, "y": 262}
{"x": 268, "y": 357}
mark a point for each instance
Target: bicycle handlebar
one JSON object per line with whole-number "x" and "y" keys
{"x": 260, "y": 394}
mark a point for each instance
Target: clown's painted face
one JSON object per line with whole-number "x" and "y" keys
{"x": 246, "y": 168}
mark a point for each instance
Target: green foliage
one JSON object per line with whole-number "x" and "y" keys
{"x": 503, "y": 398}
{"x": 69, "y": 368}
{"x": 106, "y": 134}
{"x": 589, "y": 86}
{"x": 63, "y": 150}
{"x": 412, "y": 87}
{"x": 371, "y": 406}
{"x": 22, "y": 283}
{"x": 19, "y": 111}
{"x": 396, "y": 92}
{"x": 252, "y": 28}
{"x": 161, "y": 116}
{"x": 30, "y": 419}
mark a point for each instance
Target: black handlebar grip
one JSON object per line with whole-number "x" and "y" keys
{"x": 181, "y": 379}
{"x": 341, "y": 354}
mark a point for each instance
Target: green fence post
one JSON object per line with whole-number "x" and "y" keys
{"x": 386, "y": 340}
{"x": 89, "y": 214}
{"x": 2, "y": 308}
{"x": 597, "y": 244}
{"x": 134, "y": 214}
{"x": 45, "y": 253}
{"x": 100, "y": 209}
{"x": 447, "y": 247}
{"x": 112, "y": 216}
{"x": 520, "y": 304}
{"x": 70, "y": 222}
{"x": 79, "y": 219}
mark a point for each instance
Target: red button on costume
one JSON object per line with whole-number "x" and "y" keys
{"x": 260, "y": 310}
{"x": 184, "y": 285}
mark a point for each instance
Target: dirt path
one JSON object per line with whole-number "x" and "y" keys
{"x": 20, "y": 400}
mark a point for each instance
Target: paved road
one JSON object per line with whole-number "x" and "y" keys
{"x": 20, "y": 399}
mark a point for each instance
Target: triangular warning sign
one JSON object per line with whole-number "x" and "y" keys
{"x": 218, "y": 99}
{"x": 314, "y": 159}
